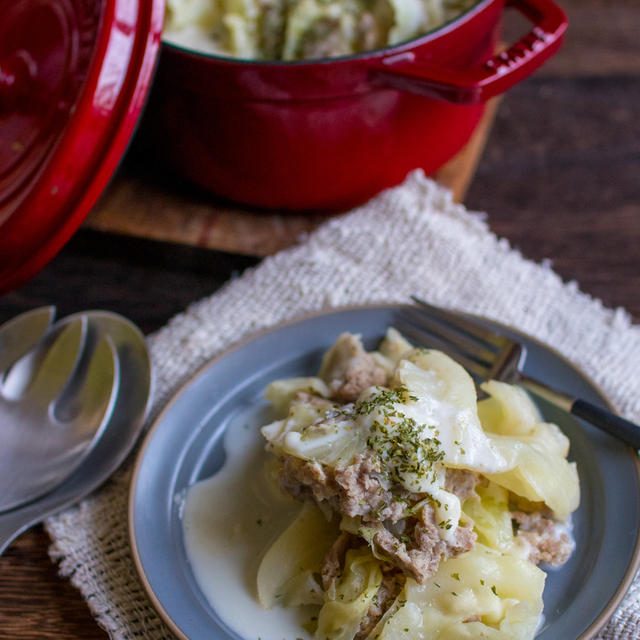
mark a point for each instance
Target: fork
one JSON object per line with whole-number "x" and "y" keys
{"x": 58, "y": 385}
{"x": 488, "y": 355}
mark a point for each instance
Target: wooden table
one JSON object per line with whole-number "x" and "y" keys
{"x": 560, "y": 178}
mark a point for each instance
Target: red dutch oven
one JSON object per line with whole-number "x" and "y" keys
{"x": 327, "y": 134}
{"x": 74, "y": 76}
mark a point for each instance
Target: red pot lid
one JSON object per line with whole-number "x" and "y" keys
{"x": 74, "y": 76}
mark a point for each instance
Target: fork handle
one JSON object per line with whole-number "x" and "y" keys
{"x": 622, "y": 429}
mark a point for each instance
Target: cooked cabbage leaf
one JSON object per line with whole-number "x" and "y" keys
{"x": 479, "y": 594}
{"x": 509, "y": 411}
{"x": 302, "y": 29}
{"x": 350, "y": 597}
{"x": 287, "y": 573}
{"x": 539, "y": 470}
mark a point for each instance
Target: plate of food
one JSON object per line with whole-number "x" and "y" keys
{"x": 327, "y": 479}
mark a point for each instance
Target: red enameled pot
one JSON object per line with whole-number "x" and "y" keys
{"x": 330, "y": 134}
{"x": 74, "y": 77}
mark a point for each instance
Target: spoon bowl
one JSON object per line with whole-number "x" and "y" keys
{"x": 120, "y": 433}
{"x": 55, "y": 401}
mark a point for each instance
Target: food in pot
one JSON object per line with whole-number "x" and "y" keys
{"x": 302, "y": 29}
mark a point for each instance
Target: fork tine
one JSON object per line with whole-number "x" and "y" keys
{"x": 421, "y": 337}
{"x": 483, "y": 352}
{"x": 20, "y": 334}
{"x": 473, "y": 330}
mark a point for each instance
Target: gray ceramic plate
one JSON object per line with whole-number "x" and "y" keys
{"x": 185, "y": 446}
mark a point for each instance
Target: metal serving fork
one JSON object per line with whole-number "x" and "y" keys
{"x": 57, "y": 389}
{"x": 488, "y": 355}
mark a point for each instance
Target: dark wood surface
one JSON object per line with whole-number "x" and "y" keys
{"x": 560, "y": 179}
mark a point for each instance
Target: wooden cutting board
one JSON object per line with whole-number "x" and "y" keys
{"x": 147, "y": 203}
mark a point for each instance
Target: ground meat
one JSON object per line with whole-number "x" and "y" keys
{"x": 334, "y": 559}
{"x": 431, "y": 548}
{"x": 363, "y": 493}
{"x": 463, "y": 483}
{"x": 355, "y": 490}
{"x": 547, "y": 540}
{"x": 392, "y": 583}
{"x": 303, "y": 479}
{"x": 361, "y": 375}
{"x": 420, "y": 555}
{"x": 348, "y": 369}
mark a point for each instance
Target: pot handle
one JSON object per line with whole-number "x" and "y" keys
{"x": 496, "y": 75}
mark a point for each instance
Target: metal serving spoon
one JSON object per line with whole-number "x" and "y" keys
{"x": 55, "y": 401}
{"x": 119, "y": 434}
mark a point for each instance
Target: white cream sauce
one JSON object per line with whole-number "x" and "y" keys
{"x": 229, "y": 521}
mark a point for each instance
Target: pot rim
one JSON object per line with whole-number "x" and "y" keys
{"x": 399, "y": 47}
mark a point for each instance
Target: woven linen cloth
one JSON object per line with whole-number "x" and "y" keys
{"x": 412, "y": 239}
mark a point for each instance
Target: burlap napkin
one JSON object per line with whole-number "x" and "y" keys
{"x": 409, "y": 240}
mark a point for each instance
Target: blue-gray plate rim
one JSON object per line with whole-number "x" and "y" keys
{"x": 579, "y": 597}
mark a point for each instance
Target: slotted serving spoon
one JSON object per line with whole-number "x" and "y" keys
{"x": 58, "y": 385}
{"x": 120, "y": 433}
